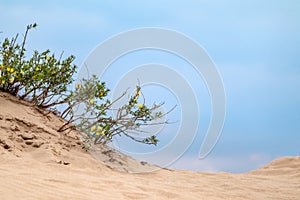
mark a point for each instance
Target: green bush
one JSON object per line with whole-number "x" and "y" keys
{"x": 46, "y": 80}
{"x": 41, "y": 79}
{"x": 95, "y": 119}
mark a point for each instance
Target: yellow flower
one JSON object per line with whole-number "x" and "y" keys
{"x": 11, "y": 79}
{"x": 22, "y": 72}
{"x": 78, "y": 86}
{"x": 8, "y": 69}
{"x": 102, "y": 132}
{"x": 48, "y": 58}
{"x": 140, "y": 106}
{"x": 37, "y": 69}
{"x": 91, "y": 102}
{"x": 99, "y": 128}
{"x": 93, "y": 128}
{"x": 101, "y": 94}
{"x": 3, "y": 81}
{"x": 2, "y": 66}
{"x": 12, "y": 70}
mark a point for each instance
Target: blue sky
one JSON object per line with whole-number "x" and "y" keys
{"x": 255, "y": 46}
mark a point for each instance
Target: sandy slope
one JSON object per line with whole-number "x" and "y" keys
{"x": 37, "y": 162}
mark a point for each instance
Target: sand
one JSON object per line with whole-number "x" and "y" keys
{"x": 37, "y": 162}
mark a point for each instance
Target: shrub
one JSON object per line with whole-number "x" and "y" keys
{"x": 95, "y": 117}
{"x": 46, "y": 80}
{"x": 41, "y": 79}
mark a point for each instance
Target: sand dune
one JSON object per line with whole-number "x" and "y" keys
{"x": 37, "y": 162}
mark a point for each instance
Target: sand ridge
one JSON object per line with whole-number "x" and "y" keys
{"x": 37, "y": 162}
